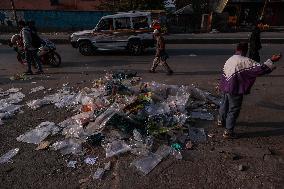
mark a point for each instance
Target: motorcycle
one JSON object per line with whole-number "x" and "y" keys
{"x": 47, "y": 52}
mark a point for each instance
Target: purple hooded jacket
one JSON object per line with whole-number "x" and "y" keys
{"x": 239, "y": 74}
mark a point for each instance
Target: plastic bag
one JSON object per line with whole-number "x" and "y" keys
{"x": 116, "y": 147}
{"x": 72, "y": 164}
{"x": 99, "y": 173}
{"x": 35, "y": 104}
{"x": 197, "y": 134}
{"x": 91, "y": 160}
{"x": 37, "y": 89}
{"x": 147, "y": 163}
{"x": 40, "y": 133}
{"x": 202, "y": 115}
{"x": 8, "y": 156}
{"x": 68, "y": 146}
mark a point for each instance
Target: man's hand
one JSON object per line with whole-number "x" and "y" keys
{"x": 276, "y": 58}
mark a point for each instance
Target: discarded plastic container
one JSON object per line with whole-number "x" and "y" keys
{"x": 116, "y": 147}
{"x": 8, "y": 156}
{"x": 38, "y": 134}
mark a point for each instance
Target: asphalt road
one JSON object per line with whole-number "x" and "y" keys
{"x": 261, "y": 124}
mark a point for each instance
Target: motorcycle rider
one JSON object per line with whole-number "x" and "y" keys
{"x": 30, "y": 48}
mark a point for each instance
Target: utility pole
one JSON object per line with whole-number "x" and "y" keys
{"x": 14, "y": 11}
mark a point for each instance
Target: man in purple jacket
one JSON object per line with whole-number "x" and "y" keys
{"x": 239, "y": 75}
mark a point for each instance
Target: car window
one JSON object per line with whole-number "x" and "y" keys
{"x": 105, "y": 24}
{"x": 140, "y": 22}
{"x": 122, "y": 23}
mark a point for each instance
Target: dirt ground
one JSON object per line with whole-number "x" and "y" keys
{"x": 214, "y": 164}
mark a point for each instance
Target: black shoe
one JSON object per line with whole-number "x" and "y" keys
{"x": 229, "y": 135}
{"x": 152, "y": 71}
{"x": 39, "y": 72}
{"x": 28, "y": 73}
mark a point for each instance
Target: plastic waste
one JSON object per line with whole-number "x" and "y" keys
{"x": 147, "y": 163}
{"x": 37, "y": 89}
{"x": 99, "y": 173}
{"x": 38, "y": 134}
{"x": 202, "y": 115}
{"x": 68, "y": 146}
{"x": 177, "y": 154}
{"x": 91, "y": 160}
{"x": 107, "y": 166}
{"x": 35, "y": 104}
{"x": 13, "y": 90}
{"x": 9, "y": 111}
{"x": 116, "y": 147}
{"x": 72, "y": 164}
{"x": 8, "y": 156}
{"x": 197, "y": 134}
{"x": 164, "y": 151}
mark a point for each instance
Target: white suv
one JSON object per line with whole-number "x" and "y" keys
{"x": 131, "y": 31}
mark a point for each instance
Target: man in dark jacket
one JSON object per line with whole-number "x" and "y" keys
{"x": 30, "y": 49}
{"x": 239, "y": 75}
{"x": 255, "y": 43}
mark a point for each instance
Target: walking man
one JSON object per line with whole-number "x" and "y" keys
{"x": 161, "y": 55}
{"x": 239, "y": 75}
{"x": 30, "y": 49}
{"x": 255, "y": 43}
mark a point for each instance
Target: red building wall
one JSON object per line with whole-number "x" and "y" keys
{"x": 87, "y": 5}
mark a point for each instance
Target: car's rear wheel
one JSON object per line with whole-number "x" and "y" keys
{"x": 135, "y": 47}
{"x": 86, "y": 48}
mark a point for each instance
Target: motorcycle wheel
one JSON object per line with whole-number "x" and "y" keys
{"x": 55, "y": 59}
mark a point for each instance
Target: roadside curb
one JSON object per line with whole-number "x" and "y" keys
{"x": 187, "y": 41}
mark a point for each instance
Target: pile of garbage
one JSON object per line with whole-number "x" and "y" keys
{"x": 121, "y": 113}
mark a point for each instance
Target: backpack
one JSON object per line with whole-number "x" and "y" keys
{"x": 36, "y": 41}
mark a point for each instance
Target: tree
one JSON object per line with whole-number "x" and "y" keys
{"x": 127, "y": 5}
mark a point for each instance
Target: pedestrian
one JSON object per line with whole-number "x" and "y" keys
{"x": 30, "y": 47}
{"x": 239, "y": 75}
{"x": 255, "y": 43}
{"x": 161, "y": 55}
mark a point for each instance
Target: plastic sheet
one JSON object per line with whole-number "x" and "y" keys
{"x": 9, "y": 111}
{"x": 116, "y": 147}
{"x": 68, "y": 146}
{"x": 197, "y": 134}
{"x": 40, "y": 133}
{"x": 147, "y": 163}
{"x": 202, "y": 115}
{"x": 37, "y": 89}
{"x": 8, "y": 156}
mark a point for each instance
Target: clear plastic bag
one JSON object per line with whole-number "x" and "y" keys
{"x": 147, "y": 163}
{"x": 8, "y": 156}
{"x": 38, "y": 134}
{"x": 116, "y": 147}
{"x": 68, "y": 146}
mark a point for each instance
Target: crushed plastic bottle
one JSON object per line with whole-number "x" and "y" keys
{"x": 8, "y": 156}
{"x": 38, "y": 134}
{"x": 116, "y": 147}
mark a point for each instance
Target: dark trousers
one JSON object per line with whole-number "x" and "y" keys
{"x": 229, "y": 110}
{"x": 33, "y": 59}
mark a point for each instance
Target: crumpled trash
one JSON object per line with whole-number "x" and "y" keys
{"x": 43, "y": 145}
{"x": 202, "y": 115}
{"x": 35, "y": 104}
{"x": 116, "y": 147}
{"x": 91, "y": 160}
{"x": 13, "y": 90}
{"x": 8, "y": 156}
{"x": 38, "y": 134}
{"x": 37, "y": 89}
{"x": 99, "y": 173}
{"x": 72, "y": 164}
{"x": 9, "y": 111}
{"x": 68, "y": 146}
{"x": 197, "y": 134}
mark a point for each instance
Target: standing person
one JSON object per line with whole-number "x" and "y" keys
{"x": 161, "y": 55}
{"x": 255, "y": 43}
{"x": 30, "y": 48}
{"x": 239, "y": 75}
